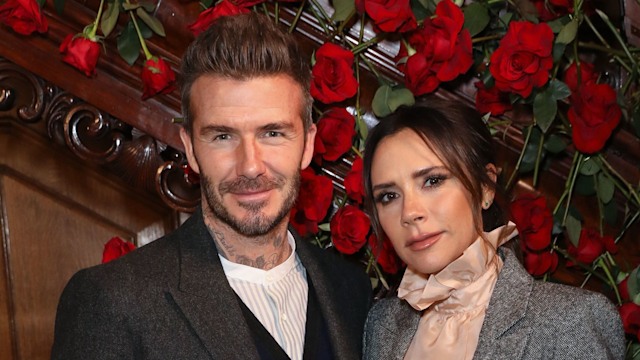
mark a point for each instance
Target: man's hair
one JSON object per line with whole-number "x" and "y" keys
{"x": 243, "y": 47}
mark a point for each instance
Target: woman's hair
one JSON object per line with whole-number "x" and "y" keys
{"x": 244, "y": 47}
{"x": 459, "y": 137}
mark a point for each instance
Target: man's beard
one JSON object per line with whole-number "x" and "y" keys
{"x": 254, "y": 223}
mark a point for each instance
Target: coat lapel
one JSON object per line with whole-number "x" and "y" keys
{"x": 500, "y": 334}
{"x": 334, "y": 308}
{"x": 205, "y": 298}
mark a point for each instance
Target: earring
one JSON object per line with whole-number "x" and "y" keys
{"x": 486, "y": 204}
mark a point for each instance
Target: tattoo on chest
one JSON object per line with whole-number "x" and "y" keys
{"x": 261, "y": 262}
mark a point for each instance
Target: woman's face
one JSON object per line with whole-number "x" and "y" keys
{"x": 424, "y": 210}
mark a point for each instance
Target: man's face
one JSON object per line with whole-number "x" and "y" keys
{"x": 248, "y": 144}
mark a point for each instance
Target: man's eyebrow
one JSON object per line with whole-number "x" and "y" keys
{"x": 216, "y": 129}
{"x": 280, "y": 125}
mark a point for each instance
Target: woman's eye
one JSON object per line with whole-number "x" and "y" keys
{"x": 433, "y": 181}
{"x": 385, "y": 198}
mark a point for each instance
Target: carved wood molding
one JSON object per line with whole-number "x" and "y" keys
{"x": 96, "y": 136}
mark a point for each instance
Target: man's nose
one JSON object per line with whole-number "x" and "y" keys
{"x": 250, "y": 159}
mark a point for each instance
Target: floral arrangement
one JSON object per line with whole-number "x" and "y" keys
{"x": 545, "y": 58}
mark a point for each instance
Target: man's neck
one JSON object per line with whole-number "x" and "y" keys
{"x": 263, "y": 252}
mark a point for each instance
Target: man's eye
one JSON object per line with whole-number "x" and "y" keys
{"x": 274, "y": 134}
{"x": 222, "y": 137}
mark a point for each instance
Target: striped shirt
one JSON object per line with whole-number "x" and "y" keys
{"x": 277, "y": 297}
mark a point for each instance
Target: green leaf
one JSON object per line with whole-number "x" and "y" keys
{"x": 585, "y": 185}
{"x": 610, "y": 212}
{"x": 557, "y": 24}
{"x": 57, "y": 4}
{"x": 476, "y": 18}
{"x": 399, "y": 97}
{"x": 129, "y": 6}
{"x": 555, "y": 144}
{"x": 151, "y": 21}
{"x": 206, "y": 3}
{"x": 559, "y": 90}
{"x": 574, "y": 227}
{"x": 589, "y": 167}
{"x": 505, "y": 18}
{"x": 148, "y": 6}
{"x": 568, "y": 32}
{"x": 380, "y": 104}
{"x": 343, "y": 9}
{"x": 544, "y": 110}
{"x": 325, "y": 227}
{"x": 558, "y": 51}
{"x": 635, "y": 121}
{"x": 128, "y": 44}
{"x": 110, "y": 17}
{"x": 633, "y": 284}
{"x": 419, "y": 9}
{"x": 41, "y": 3}
{"x": 362, "y": 129}
{"x": 606, "y": 188}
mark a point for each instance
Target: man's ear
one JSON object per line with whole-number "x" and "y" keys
{"x": 488, "y": 194}
{"x": 307, "y": 154}
{"x": 187, "y": 142}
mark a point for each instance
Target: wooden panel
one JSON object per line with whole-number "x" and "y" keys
{"x": 57, "y": 213}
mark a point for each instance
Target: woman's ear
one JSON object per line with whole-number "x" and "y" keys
{"x": 488, "y": 193}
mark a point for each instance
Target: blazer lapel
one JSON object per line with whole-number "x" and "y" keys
{"x": 205, "y": 298}
{"x": 334, "y": 308}
{"x": 507, "y": 307}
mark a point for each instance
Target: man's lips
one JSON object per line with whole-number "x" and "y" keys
{"x": 423, "y": 241}
{"x": 252, "y": 195}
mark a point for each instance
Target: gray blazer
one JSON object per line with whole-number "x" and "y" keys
{"x": 526, "y": 319}
{"x": 170, "y": 299}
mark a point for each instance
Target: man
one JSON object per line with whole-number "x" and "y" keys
{"x": 232, "y": 282}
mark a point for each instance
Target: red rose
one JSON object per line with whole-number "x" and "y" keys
{"x": 333, "y": 78}
{"x": 207, "y": 17}
{"x": 349, "y": 229}
{"x": 353, "y": 182}
{"x": 540, "y": 263}
{"x": 384, "y": 254}
{"x": 594, "y": 115}
{"x": 115, "y": 248}
{"x": 190, "y": 176}
{"x": 23, "y": 16}
{"x": 591, "y": 245}
{"x": 81, "y": 53}
{"x": 553, "y": 9}
{"x": 313, "y": 201}
{"x": 336, "y": 130}
{"x": 587, "y": 75}
{"x": 443, "y": 50}
{"x": 533, "y": 220}
{"x": 524, "y": 58}
{"x": 389, "y": 15}
{"x": 630, "y": 315}
{"x": 491, "y": 100}
{"x": 157, "y": 78}
{"x": 623, "y": 288}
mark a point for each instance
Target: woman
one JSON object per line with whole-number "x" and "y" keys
{"x": 430, "y": 180}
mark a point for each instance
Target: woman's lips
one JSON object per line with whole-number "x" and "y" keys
{"x": 423, "y": 241}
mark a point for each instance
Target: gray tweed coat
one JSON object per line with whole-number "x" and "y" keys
{"x": 526, "y": 319}
{"x": 170, "y": 299}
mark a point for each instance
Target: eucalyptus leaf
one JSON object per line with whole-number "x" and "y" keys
{"x": 152, "y": 22}
{"x": 555, "y": 144}
{"x": 399, "y": 97}
{"x": 633, "y": 284}
{"x": 544, "y": 110}
{"x": 559, "y": 90}
{"x": 128, "y": 44}
{"x": 343, "y": 9}
{"x": 585, "y": 185}
{"x": 380, "y": 102}
{"x": 58, "y": 5}
{"x": 589, "y": 167}
{"x": 610, "y": 212}
{"x": 325, "y": 227}
{"x": 606, "y": 188}
{"x": 110, "y": 17}
{"x": 574, "y": 227}
{"x": 558, "y": 51}
{"x": 476, "y": 18}
{"x": 568, "y": 32}
{"x": 129, "y": 6}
